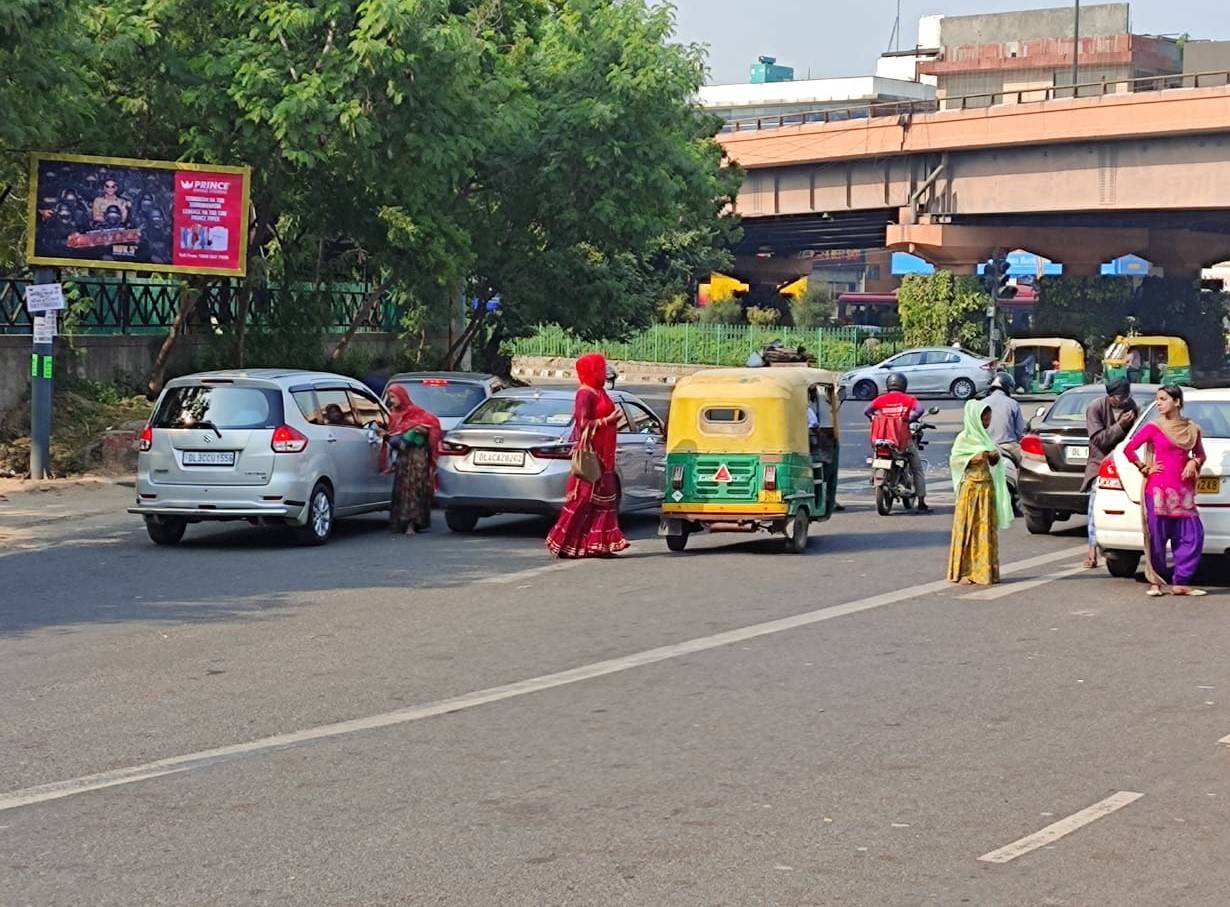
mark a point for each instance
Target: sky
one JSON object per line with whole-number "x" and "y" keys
{"x": 844, "y": 37}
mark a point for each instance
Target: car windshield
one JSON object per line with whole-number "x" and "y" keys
{"x": 553, "y": 411}
{"x": 1070, "y": 407}
{"x": 1213, "y": 416}
{"x": 220, "y": 406}
{"x": 450, "y": 399}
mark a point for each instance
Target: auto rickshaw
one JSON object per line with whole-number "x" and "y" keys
{"x": 740, "y": 456}
{"x": 1044, "y": 365}
{"x": 1148, "y": 360}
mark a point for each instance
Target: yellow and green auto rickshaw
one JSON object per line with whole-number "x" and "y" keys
{"x": 1148, "y": 360}
{"x": 1044, "y": 365}
{"x": 741, "y": 457}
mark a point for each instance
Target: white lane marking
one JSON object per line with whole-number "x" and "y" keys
{"x": 503, "y": 578}
{"x": 1005, "y": 589}
{"x": 1225, "y": 741}
{"x": 59, "y": 789}
{"x": 1057, "y": 830}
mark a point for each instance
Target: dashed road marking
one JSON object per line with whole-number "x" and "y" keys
{"x": 1065, "y": 826}
{"x": 57, "y": 790}
{"x": 1005, "y": 589}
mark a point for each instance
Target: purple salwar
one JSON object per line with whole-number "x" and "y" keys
{"x": 1186, "y": 538}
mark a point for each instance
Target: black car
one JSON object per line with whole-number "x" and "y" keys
{"x": 1054, "y": 455}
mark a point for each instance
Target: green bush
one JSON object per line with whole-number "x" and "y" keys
{"x": 814, "y": 309}
{"x": 762, "y": 317}
{"x": 722, "y": 311}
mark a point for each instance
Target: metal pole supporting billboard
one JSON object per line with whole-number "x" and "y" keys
{"x": 41, "y": 386}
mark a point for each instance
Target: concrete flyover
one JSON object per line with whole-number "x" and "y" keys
{"x": 1081, "y": 181}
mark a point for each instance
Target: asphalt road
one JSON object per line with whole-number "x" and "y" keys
{"x": 461, "y": 720}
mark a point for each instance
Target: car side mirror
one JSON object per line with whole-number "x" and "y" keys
{"x": 1040, "y": 412}
{"x": 933, "y": 411}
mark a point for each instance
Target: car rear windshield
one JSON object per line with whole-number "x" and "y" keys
{"x": 440, "y": 397}
{"x": 1213, "y": 416}
{"x": 553, "y": 411}
{"x": 1070, "y": 407}
{"x": 222, "y": 406}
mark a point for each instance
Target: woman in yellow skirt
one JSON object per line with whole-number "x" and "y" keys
{"x": 983, "y": 503}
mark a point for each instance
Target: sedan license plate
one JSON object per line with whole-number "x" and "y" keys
{"x": 1208, "y": 485}
{"x": 209, "y": 458}
{"x": 1076, "y": 454}
{"x": 499, "y": 458}
{"x": 881, "y": 464}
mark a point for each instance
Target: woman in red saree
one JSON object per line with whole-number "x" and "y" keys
{"x": 589, "y": 523}
{"x": 411, "y": 444}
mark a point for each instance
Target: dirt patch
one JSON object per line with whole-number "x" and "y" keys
{"x": 82, "y": 412}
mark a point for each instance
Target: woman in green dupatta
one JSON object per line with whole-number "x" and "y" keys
{"x": 983, "y": 503}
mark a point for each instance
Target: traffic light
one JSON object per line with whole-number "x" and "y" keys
{"x": 1003, "y": 289}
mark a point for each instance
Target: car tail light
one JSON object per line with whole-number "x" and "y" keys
{"x": 1108, "y": 476}
{"x": 288, "y": 440}
{"x": 553, "y": 452}
{"x": 449, "y": 449}
{"x": 146, "y": 439}
{"x": 435, "y": 382}
{"x": 1031, "y": 446}
{"x": 770, "y": 478}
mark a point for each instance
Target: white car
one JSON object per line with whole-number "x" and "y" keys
{"x": 936, "y": 370}
{"x": 1117, "y": 506}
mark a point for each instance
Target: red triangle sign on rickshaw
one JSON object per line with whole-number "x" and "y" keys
{"x": 722, "y": 474}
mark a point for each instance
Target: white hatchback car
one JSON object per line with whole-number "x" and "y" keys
{"x": 270, "y": 446}
{"x": 1117, "y": 503}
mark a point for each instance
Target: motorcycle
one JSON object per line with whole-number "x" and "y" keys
{"x": 1010, "y": 453}
{"x": 890, "y": 468}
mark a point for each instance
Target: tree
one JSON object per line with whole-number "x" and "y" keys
{"x": 814, "y": 308}
{"x": 939, "y": 309}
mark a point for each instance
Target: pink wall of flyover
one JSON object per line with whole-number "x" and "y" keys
{"x": 1142, "y": 151}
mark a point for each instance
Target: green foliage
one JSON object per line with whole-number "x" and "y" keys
{"x": 815, "y": 308}
{"x": 722, "y": 311}
{"x": 762, "y": 317}
{"x": 1089, "y": 309}
{"x": 549, "y": 152}
{"x": 677, "y": 309}
{"x": 939, "y": 309}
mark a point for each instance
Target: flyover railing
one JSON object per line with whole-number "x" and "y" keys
{"x": 101, "y": 305}
{"x": 976, "y": 101}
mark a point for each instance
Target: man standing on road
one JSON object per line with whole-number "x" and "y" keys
{"x": 1007, "y": 422}
{"x": 899, "y": 409}
{"x": 1107, "y": 421}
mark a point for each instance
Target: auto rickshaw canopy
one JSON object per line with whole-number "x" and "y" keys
{"x": 1069, "y": 354}
{"x": 749, "y": 410}
{"x": 1177, "y": 354}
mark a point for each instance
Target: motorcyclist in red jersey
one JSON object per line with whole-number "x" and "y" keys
{"x": 891, "y": 414}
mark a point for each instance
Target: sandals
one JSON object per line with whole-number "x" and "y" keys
{"x": 1191, "y": 593}
{"x": 1155, "y": 593}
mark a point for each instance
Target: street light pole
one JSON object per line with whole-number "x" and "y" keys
{"x": 1076, "y": 45}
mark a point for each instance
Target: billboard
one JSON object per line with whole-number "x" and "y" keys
{"x": 96, "y": 212}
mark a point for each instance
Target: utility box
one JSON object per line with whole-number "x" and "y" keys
{"x": 765, "y": 69}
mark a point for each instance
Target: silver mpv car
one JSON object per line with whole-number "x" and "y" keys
{"x": 270, "y": 446}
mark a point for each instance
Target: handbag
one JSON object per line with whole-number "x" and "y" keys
{"x": 585, "y": 463}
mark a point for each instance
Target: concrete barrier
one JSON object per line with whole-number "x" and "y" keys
{"x": 528, "y": 368}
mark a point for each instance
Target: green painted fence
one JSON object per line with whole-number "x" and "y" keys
{"x": 717, "y": 344}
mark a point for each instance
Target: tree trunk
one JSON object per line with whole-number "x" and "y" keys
{"x": 241, "y": 314}
{"x": 362, "y": 316}
{"x": 190, "y": 294}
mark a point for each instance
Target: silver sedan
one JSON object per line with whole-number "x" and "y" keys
{"x": 513, "y": 455}
{"x": 936, "y": 370}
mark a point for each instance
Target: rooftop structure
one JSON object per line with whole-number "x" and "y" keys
{"x": 777, "y": 99}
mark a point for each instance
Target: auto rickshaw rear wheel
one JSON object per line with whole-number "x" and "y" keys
{"x": 796, "y": 538}
{"x": 677, "y": 542}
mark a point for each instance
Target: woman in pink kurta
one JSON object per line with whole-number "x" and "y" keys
{"x": 1171, "y": 466}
